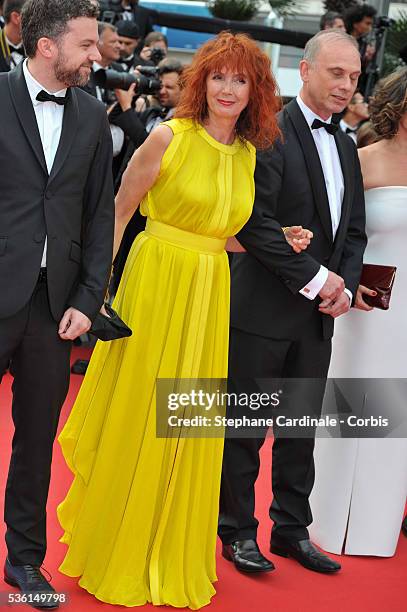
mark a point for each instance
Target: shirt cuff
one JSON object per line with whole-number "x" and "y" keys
{"x": 311, "y": 289}
{"x": 349, "y": 294}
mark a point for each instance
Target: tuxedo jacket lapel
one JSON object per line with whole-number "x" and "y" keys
{"x": 313, "y": 164}
{"x": 69, "y": 127}
{"x": 25, "y": 112}
{"x": 347, "y": 179}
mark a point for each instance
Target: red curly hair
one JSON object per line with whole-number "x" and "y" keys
{"x": 238, "y": 52}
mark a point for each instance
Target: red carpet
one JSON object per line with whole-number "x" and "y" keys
{"x": 364, "y": 584}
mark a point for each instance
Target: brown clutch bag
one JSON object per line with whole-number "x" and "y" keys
{"x": 380, "y": 279}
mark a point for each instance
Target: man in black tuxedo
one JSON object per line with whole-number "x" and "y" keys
{"x": 109, "y": 48}
{"x": 283, "y": 304}
{"x": 56, "y": 220}
{"x": 129, "y": 37}
{"x": 142, "y": 16}
{"x": 11, "y": 45}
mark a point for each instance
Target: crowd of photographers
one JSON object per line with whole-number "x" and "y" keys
{"x": 361, "y": 22}
{"x": 140, "y": 85}
{"x": 135, "y": 79}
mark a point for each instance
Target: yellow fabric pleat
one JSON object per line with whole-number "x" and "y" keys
{"x": 140, "y": 518}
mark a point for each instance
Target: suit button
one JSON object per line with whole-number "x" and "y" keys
{"x": 48, "y": 195}
{"x": 39, "y": 237}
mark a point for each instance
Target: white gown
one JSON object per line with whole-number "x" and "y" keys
{"x": 360, "y": 490}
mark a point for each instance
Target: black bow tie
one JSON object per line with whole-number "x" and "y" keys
{"x": 331, "y": 128}
{"x": 43, "y": 96}
{"x": 351, "y": 130}
{"x": 19, "y": 50}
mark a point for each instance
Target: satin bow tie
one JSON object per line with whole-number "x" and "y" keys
{"x": 331, "y": 128}
{"x": 43, "y": 96}
{"x": 351, "y": 130}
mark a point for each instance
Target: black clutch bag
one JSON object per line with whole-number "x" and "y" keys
{"x": 111, "y": 327}
{"x": 380, "y": 279}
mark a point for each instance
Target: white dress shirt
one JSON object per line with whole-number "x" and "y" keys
{"x": 49, "y": 117}
{"x": 335, "y": 188}
{"x": 354, "y": 130}
{"x": 155, "y": 122}
{"x": 15, "y": 58}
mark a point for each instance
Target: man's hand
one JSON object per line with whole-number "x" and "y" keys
{"x": 359, "y": 301}
{"x": 73, "y": 324}
{"x": 298, "y": 237}
{"x": 125, "y": 98}
{"x": 145, "y": 53}
{"x": 332, "y": 289}
{"x": 337, "y": 307}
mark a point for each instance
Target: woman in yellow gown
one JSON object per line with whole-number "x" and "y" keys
{"x": 140, "y": 518}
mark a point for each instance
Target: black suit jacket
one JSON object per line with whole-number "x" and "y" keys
{"x": 73, "y": 205}
{"x": 4, "y": 55}
{"x": 290, "y": 190}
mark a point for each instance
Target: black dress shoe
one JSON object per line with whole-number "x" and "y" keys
{"x": 305, "y": 553}
{"x": 31, "y": 582}
{"x": 404, "y": 526}
{"x": 246, "y": 556}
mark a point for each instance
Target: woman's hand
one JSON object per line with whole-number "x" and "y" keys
{"x": 234, "y": 246}
{"x": 359, "y": 301}
{"x": 298, "y": 237}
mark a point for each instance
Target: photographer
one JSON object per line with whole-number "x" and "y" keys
{"x": 155, "y": 48}
{"x": 129, "y": 37}
{"x": 109, "y": 48}
{"x": 123, "y": 114}
{"x": 355, "y": 114}
{"x": 359, "y": 21}
{"x": 170, "y": 72}
{"x": 11, "y": 46}
{"x": 113, "y": 11}
{"x": 332, "y": 20}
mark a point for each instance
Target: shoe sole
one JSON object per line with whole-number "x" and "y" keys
{"x": 282, "y": 552}
{"x": 247, "y": 571}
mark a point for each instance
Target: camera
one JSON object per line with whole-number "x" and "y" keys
{"x": 109, "y": 10}
{"x": 157, "y": 54}
{"x": 113, "y": 79}
{"x": 383, "y": 22}
{"x": 149, "y": 71}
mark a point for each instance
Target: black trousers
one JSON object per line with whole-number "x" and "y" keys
{"x": 253, "y": 356}
{"x": 39, "y": 363}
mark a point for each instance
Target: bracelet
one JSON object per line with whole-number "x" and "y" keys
{"x": 285, "y": 229}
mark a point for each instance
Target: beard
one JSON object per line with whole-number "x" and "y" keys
{"x": 71, "y": 77}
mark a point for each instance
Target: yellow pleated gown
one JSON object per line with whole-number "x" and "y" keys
{"x": 140, "y": 518}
